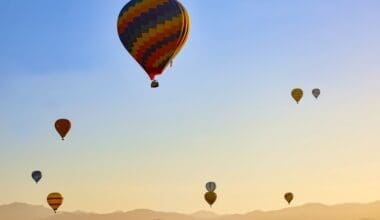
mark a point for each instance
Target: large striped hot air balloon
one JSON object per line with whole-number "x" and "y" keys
{"x": 153, "y": 32}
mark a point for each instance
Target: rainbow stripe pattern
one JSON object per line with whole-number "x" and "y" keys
{"x": 153, "y": 32}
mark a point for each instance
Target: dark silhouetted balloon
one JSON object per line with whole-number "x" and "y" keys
{"x": 316, "y": 92}
{"x": 36, "y": 175}
{"x": 297, "y": 94}
{"x": 289, "y": 197}
{"x": 63, "y": 127}
{"x": 210, "y": 198}
{"x": 210, "y": 186}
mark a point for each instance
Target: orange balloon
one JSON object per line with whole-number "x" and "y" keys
{"x": 55, "y": 200}
{"x": 63, "y": 127}
{"x": 210, "y": 198}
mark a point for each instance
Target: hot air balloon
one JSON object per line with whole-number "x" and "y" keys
{"x": 63, "y": 127}
{"x": 153, "y": 32}
{"x": 55, "y": 200}
{"x": 289, "y": 197}
{"x": 297, "y": 94}
{"x": 36, "y": 175}
{"x": 316, "y": 92}
{"x": 210, "y": 197}
{"x": 210, "y": 186}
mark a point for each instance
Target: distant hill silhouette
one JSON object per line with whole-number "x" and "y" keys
{"x": 18, "y": 211}
{"x": 204, "y": 214}
{"x": 314, "y": 211}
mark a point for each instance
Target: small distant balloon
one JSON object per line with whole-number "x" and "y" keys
{"x": 210, "y": 198}
{"x": 316, "y": 92}
{"x": 63, "y": 127}
{"x": 297, "y": 94}
{"x": 211, "y": 186}
{"x": 289, "y": 197}
{"x": 36, "y": 175}
{"x": 55, "y": 200}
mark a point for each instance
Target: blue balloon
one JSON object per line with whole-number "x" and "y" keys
{"x": 37, "y": 175}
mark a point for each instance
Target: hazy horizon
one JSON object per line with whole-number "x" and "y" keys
{"x": 222, "y": 113}
{"x": 370, "y": 211}
{"x": 200, "y": 211}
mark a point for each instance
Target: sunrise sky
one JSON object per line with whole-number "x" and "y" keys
{"x": 223, "y": 112}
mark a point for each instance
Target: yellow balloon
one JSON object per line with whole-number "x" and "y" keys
{"x": 210, "y": 198}
{"x": 297, "y": 94}
{"x": 289, "y": 197}
{"x": 55, "y": 200}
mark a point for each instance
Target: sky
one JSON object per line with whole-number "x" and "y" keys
{"x": 222, "y": 113}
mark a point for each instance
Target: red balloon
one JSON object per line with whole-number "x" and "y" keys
{"x": 63, "y": 127}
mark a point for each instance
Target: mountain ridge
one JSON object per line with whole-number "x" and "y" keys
{"x": 310, "y": 211}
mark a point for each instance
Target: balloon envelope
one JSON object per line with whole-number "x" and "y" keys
{"x": 63, "y": 127}
{"x": 185, "y": 30}
{"x": 297, "y": 94}
{"x": 153, "y": 32}
{"x": 289, "y": 197}
{"x": 316, "y": 92}
{"x": 55, "y": 200}
{"x": 210, "y": 186}
{"x": 36, "y": 175}
{"x": 210, "y": 197}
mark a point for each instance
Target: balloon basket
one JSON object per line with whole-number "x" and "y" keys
{"x": 154, "y": 84}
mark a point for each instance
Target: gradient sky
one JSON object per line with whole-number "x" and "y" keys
{"x": 223, "y": 111}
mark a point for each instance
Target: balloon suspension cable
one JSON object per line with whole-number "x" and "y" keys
{"x": 154, "y": 84}
{"x": 171, "y": 63}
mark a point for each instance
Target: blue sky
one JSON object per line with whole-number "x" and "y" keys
{"x": 222, "y": 112}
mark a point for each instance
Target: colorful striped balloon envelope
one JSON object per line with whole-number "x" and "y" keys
{"x": 54, "y": 200}
{"x": 153, "y": 32}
